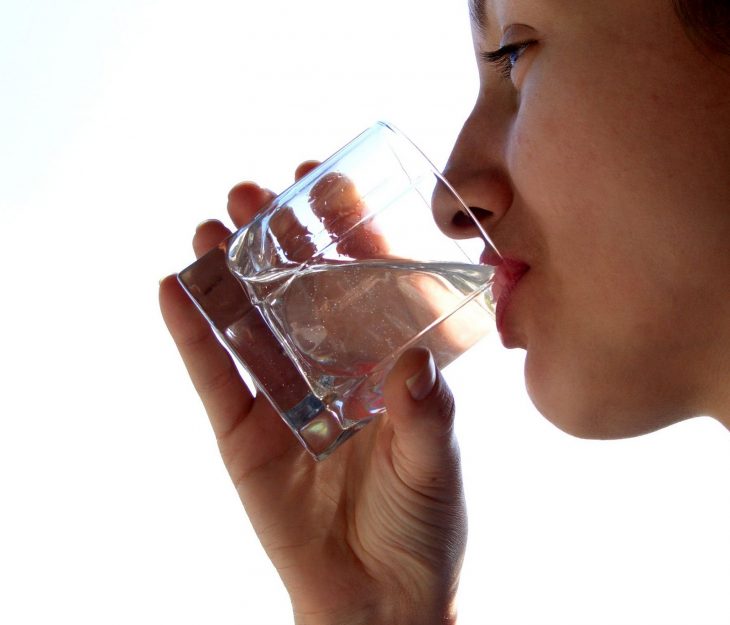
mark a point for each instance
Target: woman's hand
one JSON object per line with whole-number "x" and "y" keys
{"x": 375, "y": 533}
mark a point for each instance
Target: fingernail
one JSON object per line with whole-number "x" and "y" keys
{"x": 202, "y": 223}
{"x": 246, "y": 185}
{"x": 244, "y": 193}
{"x": 422, "y": 383}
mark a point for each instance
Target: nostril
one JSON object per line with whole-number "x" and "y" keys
{"x": 462, "y": 220}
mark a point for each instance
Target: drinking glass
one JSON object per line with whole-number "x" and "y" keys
{"x": 337, "y": 276}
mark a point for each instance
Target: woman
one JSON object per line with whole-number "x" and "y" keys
{"x": 598, "y": 158}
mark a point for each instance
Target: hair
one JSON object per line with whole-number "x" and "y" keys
{"x": 707, "y": 22}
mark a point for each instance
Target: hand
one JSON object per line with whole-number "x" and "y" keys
{"x": 375, "y": 533}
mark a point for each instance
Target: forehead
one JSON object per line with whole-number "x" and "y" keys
{"x": 478, "y": 14}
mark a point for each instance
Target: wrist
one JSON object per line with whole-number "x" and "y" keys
{"x": 382, "y": 615}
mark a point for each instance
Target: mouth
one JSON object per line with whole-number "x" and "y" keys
{"x": 507, "y": 274}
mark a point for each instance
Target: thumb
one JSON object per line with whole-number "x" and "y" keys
{"x": 420, "y": 407}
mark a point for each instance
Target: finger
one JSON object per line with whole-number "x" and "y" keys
{"x": 294, "y": 237}
{"x": 224, "y": 394}
{"x": 207, "y": 235}
{"x": 245, "y": 200}
{"x": 336, "y": 201}
{"x": 420, "y": 407}
{"x": 304, "y": 168}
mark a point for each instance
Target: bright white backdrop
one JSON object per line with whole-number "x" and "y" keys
{"x": 122, "y": 125}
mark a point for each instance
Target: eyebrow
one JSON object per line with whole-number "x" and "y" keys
{"x": 478, "y": 15}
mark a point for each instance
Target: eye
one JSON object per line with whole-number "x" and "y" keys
{"x": 506, "y": 57}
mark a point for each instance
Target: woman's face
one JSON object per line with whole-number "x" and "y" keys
{"x": 601, "y": 149}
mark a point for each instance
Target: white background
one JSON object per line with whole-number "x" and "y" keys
{"x": 122, "y": 125}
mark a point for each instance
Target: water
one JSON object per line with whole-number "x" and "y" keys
{"x": 342, "y": 323}
{"x": 318, "y": 339}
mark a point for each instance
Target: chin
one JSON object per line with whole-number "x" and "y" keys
{"x": 586, "y": 404}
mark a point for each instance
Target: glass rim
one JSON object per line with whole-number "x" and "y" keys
{"x": 437, "y": 173}
{"x": 396, "y": 140}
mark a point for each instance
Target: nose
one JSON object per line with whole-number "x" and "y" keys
{"x": 477, "y": 171}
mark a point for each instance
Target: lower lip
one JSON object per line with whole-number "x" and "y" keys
{"x": 501, "y": 316}
{"x": 508, "y": 275}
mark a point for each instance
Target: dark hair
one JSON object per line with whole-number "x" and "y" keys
{"x": 707, "y": 22}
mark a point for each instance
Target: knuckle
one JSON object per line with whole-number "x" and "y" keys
{"x": 216, "y": 382}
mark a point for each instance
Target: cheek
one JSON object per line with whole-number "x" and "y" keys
{"x": 578, "y": 182}
{"x": 546, "y": 158}
{"x": 608, "y": 247}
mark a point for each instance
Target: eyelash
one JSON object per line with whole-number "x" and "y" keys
{"x": 505, "y": 58}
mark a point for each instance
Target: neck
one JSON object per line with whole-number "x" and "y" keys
{"x": 722, "y": 412}
{"x": 717, "y": 384}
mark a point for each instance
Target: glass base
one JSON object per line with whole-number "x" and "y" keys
{"x": 242, "y": 330}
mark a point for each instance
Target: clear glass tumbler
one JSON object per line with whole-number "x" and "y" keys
{"x": 335, "y": 278}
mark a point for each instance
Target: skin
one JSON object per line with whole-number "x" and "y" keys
{"x": 602, "y": 164}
